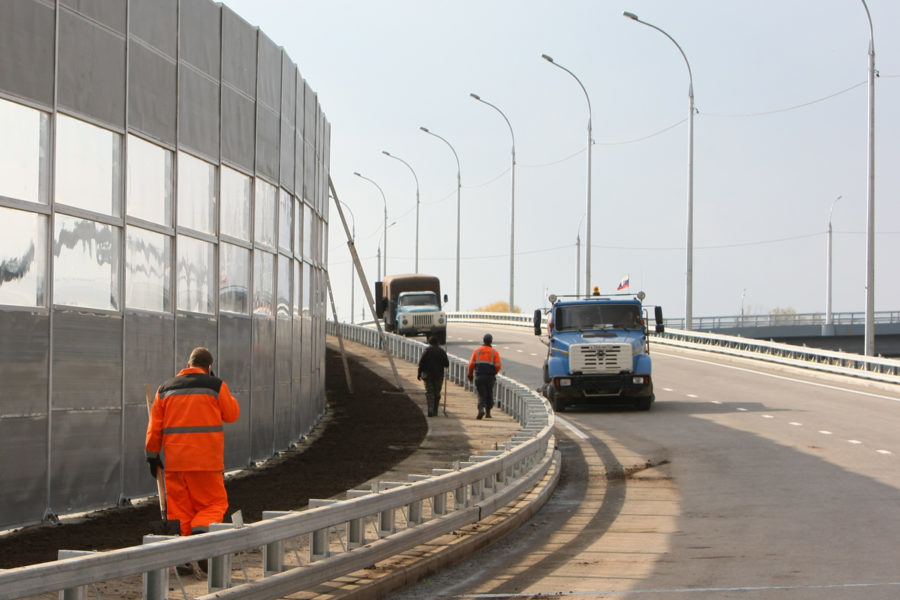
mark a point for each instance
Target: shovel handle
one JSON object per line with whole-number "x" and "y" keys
{"x": 160, "y": 478}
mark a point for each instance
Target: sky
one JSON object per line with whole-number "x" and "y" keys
{"x": 780, "y": 133}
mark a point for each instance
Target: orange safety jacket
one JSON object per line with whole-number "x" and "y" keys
{"x": 485, "y": 361}
{"x": 186, "y": 421}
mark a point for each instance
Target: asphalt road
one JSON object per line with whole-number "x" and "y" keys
{"x": 743, "y": 481}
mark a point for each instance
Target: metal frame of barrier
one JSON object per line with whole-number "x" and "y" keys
{"x": 415, "y": 512}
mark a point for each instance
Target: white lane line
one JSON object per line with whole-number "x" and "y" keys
{"x": 884, "y": 452}
{"x": 767, "y": 417}
{"x": 741, "y": 410}
{"x": 716, "y": 401}
{"x": 571, "y": 427}
{"x": 667, "y": 389}
{"x": 782, "y": 377}
{"x": 533, "y": 354}
{"x": 692, "y": 591}
{"x": 825, "y": 432}
{"x": 692, "y": 396}
{"x": 855, "y": 442}
{"x": 795, "y": 424}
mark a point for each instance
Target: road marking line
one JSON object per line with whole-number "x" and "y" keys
{"x": 572, "y": 428}
{"x": 768, "y": 417}
{"x": 830, "y": 387}
{"x": 656, "y": 591}
{"x": 854, "y": 441}
{"x": 742, "y": 410}
{"x": 824, "y": 432}
{"x": 884, "y": 452}
{"x": 667, "y": 389}
{"x": 692, "y": 395}
{"x": 795, "y": 424}
{"x": 716, "y": 401}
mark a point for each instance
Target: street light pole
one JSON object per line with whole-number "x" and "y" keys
{"x": 383, "y": 199}
{"x": 829, "y": 317}
{"x": 386, "y": 153}
{"x": 869, "y": 341}
{"x": 689, "y": 275}
{"x": 590, "y": 143}
{"x": 512, "y": 218}
{"x": 458, "y": 210}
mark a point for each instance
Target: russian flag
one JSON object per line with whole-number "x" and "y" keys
{"x": 624, "y": 283}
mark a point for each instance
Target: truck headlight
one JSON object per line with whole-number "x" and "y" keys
{"x": 441, "y": 320}
{"x": 405, "y": 322}
{"x": 564, "y": 382}
{"x": 636, "y": 380}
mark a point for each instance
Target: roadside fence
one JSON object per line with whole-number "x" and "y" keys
{"x": 288, "y": 552}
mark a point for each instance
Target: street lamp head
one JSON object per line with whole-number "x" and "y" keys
{"x": 547, "y": 58}
{"x": 630, "y": 15}
{"x": 425, "y": 129}
{"x": 385, "y": 152}
{"x": 357, "y": 173}
{"x": 476, "y": 96}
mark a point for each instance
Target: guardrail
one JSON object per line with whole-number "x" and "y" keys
{"x": 844, "y": 363}
{"x": 785, "y": 319}
{"x": 336, "y": 536}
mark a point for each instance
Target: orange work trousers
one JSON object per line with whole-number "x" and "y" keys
{"x": 196, "y": 498}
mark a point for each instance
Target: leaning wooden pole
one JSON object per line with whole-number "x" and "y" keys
{"x": 364, "y": 282}
{"x": 340, "y": 337}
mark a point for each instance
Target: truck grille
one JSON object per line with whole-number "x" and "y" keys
{"x": 600, "y": 358}
{"x": 422, "y": 320}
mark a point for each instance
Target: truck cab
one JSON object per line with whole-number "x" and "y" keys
{"x": 411, "y": 305}
{"x": 598, "y": 351}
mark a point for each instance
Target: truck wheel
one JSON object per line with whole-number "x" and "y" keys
{"x": 643, "y": 403}
{"x": 546, "y": 373}
{"x": 556, "y": 402}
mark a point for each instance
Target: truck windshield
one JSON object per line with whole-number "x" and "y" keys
{"x": 428, "y": 299}
{"x": 598, "y": 316}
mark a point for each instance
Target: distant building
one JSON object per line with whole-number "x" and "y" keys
{"x": 163, "y": 185}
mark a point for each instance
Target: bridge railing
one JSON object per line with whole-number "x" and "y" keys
{"x": 843, "y": 363}
{"x": 784, "y": 319}
{"x": 335, "y": 537}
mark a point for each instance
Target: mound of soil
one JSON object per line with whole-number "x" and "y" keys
{"x": 383, "y": 428}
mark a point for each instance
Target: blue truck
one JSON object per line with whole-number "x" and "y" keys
{"x": 598, "y": 350}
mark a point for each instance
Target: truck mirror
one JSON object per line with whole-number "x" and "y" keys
{"x": 446, "y": 298}
{"x": 537, "y": 322}
{"x": 660, "y": 327}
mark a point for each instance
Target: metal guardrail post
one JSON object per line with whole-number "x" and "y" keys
{"x": 156, "y": 583}
{"x": 273, "y": 553}
{"x": 75, "y": 593}
{"x": 356, "y": 528}
{"x": 218, "y": 575}
{"x": 319, "y": 547}
{"x": 415, "y": 509}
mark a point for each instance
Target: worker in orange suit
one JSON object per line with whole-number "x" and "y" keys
{"x": 483, "y": 368}
{"x": 186, "y": 426}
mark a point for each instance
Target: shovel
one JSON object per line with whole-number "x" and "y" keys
{"x": 446, "y": 385}
{"x": 164, "y": 526}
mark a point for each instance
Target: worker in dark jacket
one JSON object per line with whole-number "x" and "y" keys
{"x": 431, "y": 368}
{"x": 186, "y": 425}
{"x": 483, "y": 368}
